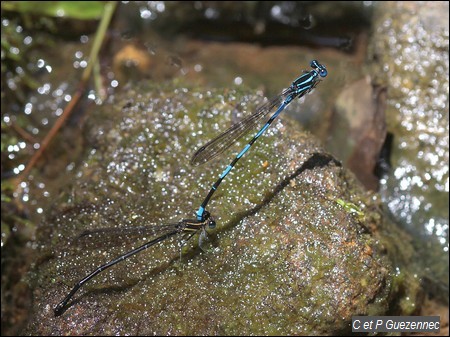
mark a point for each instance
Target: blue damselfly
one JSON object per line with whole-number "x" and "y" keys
{"x": 300, "y": 87}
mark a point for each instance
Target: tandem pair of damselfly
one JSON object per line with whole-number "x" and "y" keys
{"x": 300, "y": 87}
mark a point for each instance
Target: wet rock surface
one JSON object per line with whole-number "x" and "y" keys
{"x": 299, "y": 246}
{"x": 409, "y": 56}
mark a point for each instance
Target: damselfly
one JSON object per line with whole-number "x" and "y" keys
{"x": 185, "y": 226}
{"x": 300, "y": 87}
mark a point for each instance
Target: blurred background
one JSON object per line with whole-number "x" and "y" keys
{"x": 382, "y": 111}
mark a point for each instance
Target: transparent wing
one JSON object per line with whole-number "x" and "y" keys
{"x": 111, "y": 232}
{"x": 223, "y": 141}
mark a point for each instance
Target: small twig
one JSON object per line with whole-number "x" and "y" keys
{"x": 104, "y": 23}
{"x": 22, "y": 133}
{"x": 48, "y": 138}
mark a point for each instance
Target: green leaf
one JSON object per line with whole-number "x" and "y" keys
{"x": 82, "y": 10}
{"x": 351, "y": 208}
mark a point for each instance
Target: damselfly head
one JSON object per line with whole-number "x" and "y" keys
{"x": 209, "y": 220}
{"x": 320, "y": 68}
{"x": 211, "y": 224}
